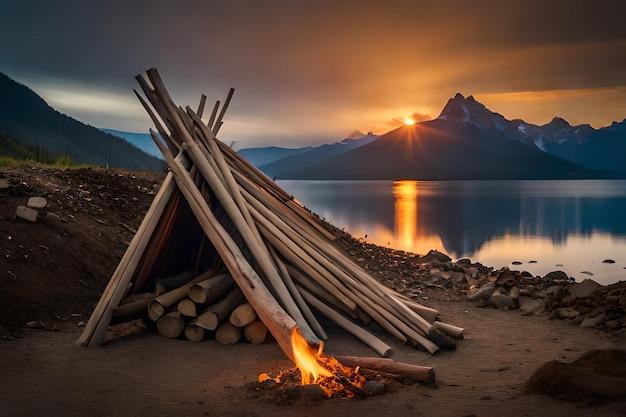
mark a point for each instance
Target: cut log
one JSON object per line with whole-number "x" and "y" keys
{"x": 214, "y": 315}
{"x": 449, "y": 329}
{"x": 417, "y": 373}
{"x": 227, "y": 334}
{"x": 207, "y": 291}
{"x": 133, "y": 309}
{"x": 171, "y": 325}
{"x": 187, "y": 307}
{"x": 255, "y": 332}
{"x": 194, "y": 333}
{"x": 157, "y": 306}
{"x": 242, "y": 315}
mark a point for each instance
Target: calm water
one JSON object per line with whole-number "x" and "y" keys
{"x": 546, "y": 225}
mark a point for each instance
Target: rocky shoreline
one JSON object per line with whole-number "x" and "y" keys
{"x": 435, "y": 275}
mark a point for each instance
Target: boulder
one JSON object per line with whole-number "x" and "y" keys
{"x": 583, "y": 290}
{"x": 531, "y": 306}
{"x": 556, "y": 276}
{"x": 482, "y": 293}
{"x": 502, "y": 301}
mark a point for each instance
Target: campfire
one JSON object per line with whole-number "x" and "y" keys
{"x": 224, "y": 252}
{"x": 315, "y": 367}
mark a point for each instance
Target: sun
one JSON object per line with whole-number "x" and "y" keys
{"x": 408, "y": 121}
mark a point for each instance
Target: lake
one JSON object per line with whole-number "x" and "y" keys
{"x": 573, "y": 226}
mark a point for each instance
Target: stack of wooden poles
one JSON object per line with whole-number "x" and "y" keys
{"x": 277, "y": 254}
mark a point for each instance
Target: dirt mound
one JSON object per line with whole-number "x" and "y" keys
{"x": 53, "y": 269}
{"x": 597, "y": 376}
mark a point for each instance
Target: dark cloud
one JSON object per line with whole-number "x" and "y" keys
{"x": 313, "y": 63}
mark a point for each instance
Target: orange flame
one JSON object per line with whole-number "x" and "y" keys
{"x": 308, "y": 359}
{"x": 318, "y": 368}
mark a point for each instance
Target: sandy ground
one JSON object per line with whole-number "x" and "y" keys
{"x": 45, "y": 373}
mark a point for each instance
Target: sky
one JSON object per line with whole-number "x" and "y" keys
{"x": 311, "y": 72}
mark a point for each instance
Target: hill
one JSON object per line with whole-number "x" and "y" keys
{"x": 27, "y": 120}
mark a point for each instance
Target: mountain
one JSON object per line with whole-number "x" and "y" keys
{"x": 601, "y": 149}
{"x": 310, "y": 157}
{"x": 468, "y": 141}
{"x": 26, "y": 119}
{"x": 142, "y": 141}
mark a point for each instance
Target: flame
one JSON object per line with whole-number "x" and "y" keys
{"x": 318, "y": 368}
{"x": 315, "y": 367}
{"x": 308, "y": 359}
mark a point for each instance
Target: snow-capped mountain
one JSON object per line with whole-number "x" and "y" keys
{"x": 599, "y": 149}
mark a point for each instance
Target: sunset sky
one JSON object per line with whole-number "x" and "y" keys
{"x": 310, "y": 72}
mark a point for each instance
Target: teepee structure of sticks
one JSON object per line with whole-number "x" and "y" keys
{"x": 216, "y": 213}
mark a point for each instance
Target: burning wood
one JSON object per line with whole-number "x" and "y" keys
{"x": 283, "y": 265}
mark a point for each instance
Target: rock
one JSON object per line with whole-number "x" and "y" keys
{"x": 514, "y": 293}
{"x": 592, "y": 321}
{"x": 531, "y": 306}
{"x": 482, "y": 293}
{"x": 4, "y": 184}
{"x": 26, "y": 213}
{"x": 608, "y": 261}
{"x": 583, "y": 290}
{"x": 615, "y": 296}
{"x": 502, "y": 301}
{"x": 587, "y": 273}
{"x": 374, "y": 388}
{"x": 555, "y": 292}
{"x": 434, "y": 255}
{"x": 532, "y": 261}
{"x": 53, "y": 220}
{"x": 37, "y": 202}
{"x": 516, "y": 263}
{"x": 556, "y": 276}
{"x": 566, "y": 313}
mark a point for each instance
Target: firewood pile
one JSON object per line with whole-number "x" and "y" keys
{"x": 224, "y": 252}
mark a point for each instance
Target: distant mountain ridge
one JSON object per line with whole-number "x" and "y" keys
{"x": 25, "y": 118}
{"x": 601, "y": 149}
{"x": 468, "y": 141}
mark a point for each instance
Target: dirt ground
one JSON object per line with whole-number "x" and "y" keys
{"x": 53, "y": 272}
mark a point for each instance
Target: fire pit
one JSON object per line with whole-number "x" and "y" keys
{"x": 320, "y": 376}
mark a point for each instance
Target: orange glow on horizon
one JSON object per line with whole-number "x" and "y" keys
{"x": 408, "y": 121}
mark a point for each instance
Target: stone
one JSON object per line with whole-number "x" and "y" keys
{"x": 502, "y": 301}
{"x": 556, "y": 276}
{"x": 583, "y": 290}
{"x": 53, "y": 220}
{"x": 566, "y": 313}
{"x": 556, "y": 292}
{"x": 592, "y": 321}
{"x": 608, "y": 261}
{"x": 37, "y": 202}
{"x": 27, "y": 213}
{"x": 435, "y": 255}
{"x": 531, "y": 306}
{"x": 514, "y": 293}
{"x": 4, "y": 184}
{"x": 482, "y": 293}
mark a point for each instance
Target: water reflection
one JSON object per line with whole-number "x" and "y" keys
{"x": 574, "y": 223}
